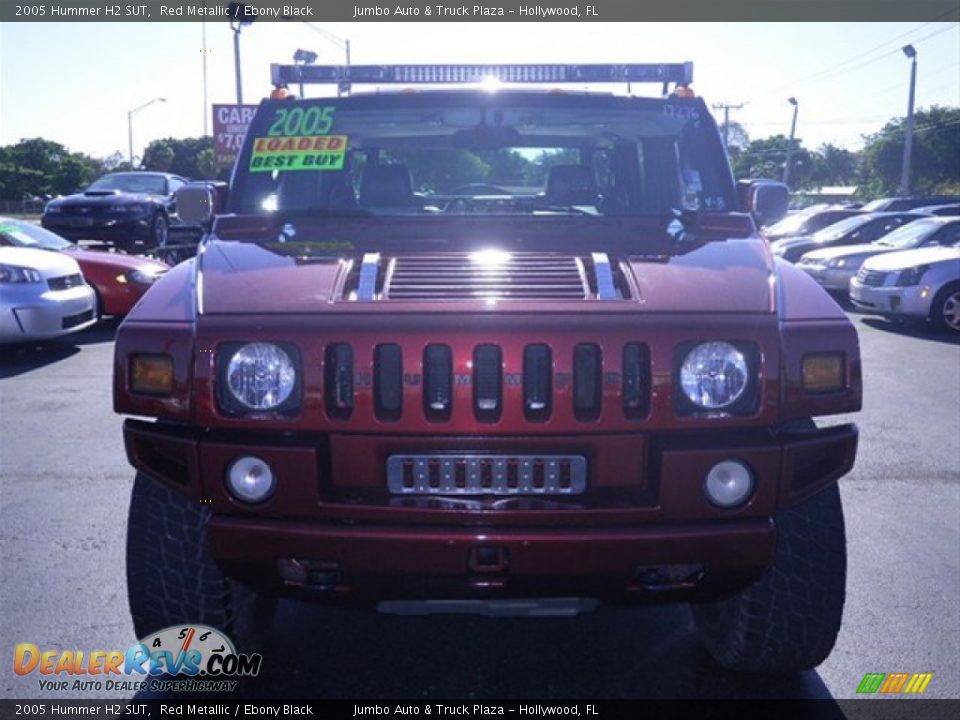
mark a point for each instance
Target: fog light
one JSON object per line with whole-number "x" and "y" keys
{"x": 729, "y": 484}
{"x": 823, "y": 372}
{"x": 151, "y": 374}
{"x": 250, "y": 479}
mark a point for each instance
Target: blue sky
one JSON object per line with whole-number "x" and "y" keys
{"x": 74, "y": 83}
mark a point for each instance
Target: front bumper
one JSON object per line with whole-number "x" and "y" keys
{"x": 647, "y": 513}
{"x": 911, "y": 301}
{"x": 837, "y": 279}
{"x": 108, "y": 228}
{"x": 47, "y": 314}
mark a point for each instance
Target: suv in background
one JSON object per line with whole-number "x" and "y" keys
{"x": 380, "y": 384}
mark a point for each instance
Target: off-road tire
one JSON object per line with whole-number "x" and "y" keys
{"x": 172, "y": 579}
{"x": 789, "y": 619}
{"x": 947, "y": 294}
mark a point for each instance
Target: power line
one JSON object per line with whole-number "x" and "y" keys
{"x": 726, "y": 107}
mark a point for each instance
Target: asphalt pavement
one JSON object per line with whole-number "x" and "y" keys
{"x": 65, "y": 484}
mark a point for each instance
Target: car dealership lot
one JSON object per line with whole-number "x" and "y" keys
{"x": 64, "y": 487}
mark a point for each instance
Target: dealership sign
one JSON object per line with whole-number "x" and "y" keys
{"x": 230, "y": 123}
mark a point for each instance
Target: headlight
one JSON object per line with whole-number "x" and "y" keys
{"x": 134, "y": 209}
{"x": 17, "y": 274}
{"x": 911, "y": 276}
{"x": 260, "y": 376}
{"x": 714, "y": 375}
{"x": 53, "y": 209}
{"x": 837, "y": 263}
{"x": 140, "y": 277}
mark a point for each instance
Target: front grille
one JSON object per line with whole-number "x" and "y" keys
{"x": 430, "y": 382}
{"x": 65, "y": 282}
{"x": 872, "y": 277}
{"x": 476, "y": 474}
{"x": 73, "y": 320}
{"x": 462, "y": 276}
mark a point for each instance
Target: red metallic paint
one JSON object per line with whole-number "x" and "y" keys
{"x": 100, "y": 269}
{"x": 646, "y": 505}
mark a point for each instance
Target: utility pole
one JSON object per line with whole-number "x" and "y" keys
{"x": 911, "y": 53}
{"x": 793, "y": 132}
{"x": 726, "y": 107}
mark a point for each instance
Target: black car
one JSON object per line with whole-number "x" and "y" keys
{"x": 807, "y": 222}
{"x": 131, "y": 210}
{"x": 854, "y": 230}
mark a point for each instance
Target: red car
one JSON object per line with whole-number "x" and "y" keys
{"x": 381, "y": 384}
{"x": 119, "y": 280}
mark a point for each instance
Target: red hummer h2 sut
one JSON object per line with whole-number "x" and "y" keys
{"x": 469, "y": 346}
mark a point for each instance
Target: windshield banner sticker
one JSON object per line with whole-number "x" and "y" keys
{"x": 318, "y": 152}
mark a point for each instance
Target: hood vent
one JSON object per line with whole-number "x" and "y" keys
{"x": 489, "y": 274}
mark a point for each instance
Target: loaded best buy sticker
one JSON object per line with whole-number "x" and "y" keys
{"x": 317, "y": 152}
{"x": 297, "y": 139}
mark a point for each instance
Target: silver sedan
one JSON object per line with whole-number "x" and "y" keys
{"x": 42, "y": 295}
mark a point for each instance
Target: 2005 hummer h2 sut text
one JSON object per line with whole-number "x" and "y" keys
{"x": 483, "y": 344}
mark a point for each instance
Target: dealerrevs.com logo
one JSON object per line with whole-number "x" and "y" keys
{"x": 181, "y": 658}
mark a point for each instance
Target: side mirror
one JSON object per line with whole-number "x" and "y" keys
{"x": 766, "y": 200}
{"x": 199, "y": 202}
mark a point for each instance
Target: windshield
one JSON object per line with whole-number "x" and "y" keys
{"x": 839, "y": 229}
{"x": 22, "y": 234}
{"x": 132, "y": 183}
{"x": 910, "y": 235}
{"x": 481, "y": 153}
{"x": 790, "y": 225}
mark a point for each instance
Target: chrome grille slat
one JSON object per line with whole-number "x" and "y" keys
{"x": 482, "y": 474}
{"x": 873, "y": 278}
{"x": 512, "y": 276}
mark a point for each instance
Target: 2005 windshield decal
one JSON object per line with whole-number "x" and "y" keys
{"x": 297, "y": 139}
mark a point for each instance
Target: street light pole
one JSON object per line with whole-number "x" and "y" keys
{"x": 911, "y": 53}
{"x": 793, "y": 132}
{"x": 130, "y": 115}
{"x": 236, "y": 11}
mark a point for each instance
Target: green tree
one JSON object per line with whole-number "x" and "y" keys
{"x": 834, "y": 165}
{"x": 765, "y": 158}
{"x": 935, "y": 155}
{"x": 182, "y": 156}
{"x": 38, "y": 167}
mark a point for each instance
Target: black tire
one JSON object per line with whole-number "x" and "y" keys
{"x": 789, "y": 619}
{"x": 171, "y": 578}
{"x": 159, "y": 230}
{"x": 949, "y": 294}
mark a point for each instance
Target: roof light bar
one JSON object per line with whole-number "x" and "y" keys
{"x": 439, "y": 74}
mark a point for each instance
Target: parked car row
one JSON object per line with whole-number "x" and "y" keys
{"x": 897, "y": 262}
{"x": 51, "y": 287}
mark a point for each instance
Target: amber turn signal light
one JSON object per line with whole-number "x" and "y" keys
{"x": 823, "y": 372}
{"x": 151, "y": 374}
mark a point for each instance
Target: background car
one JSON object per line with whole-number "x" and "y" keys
{"x": 806, "y": 223}
{"x": 854, "y": 230}
{"x": 923, "y": 283}
{"x": 950, "y": 209}
{"x": 892, "y": 204}
{"x": 131, "y": 210}
{"x": 119, "y": 280}
{"x": 42, "y": 295}
{"x": 835, "y": 267}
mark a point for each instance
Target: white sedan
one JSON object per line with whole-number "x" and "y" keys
{"x": 835, "y": 267}
{"x": 42, "y": 295}
{"x": 918, "y": 284}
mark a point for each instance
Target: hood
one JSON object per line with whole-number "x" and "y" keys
{"x": 846, "y": 251}
{"x": 102, "y": 197}
{"x": 252, "y": 278}
{"x": 908, "y": 258}
{"x": 48, "y": 264}
{"x": 115, "y": 260}
{"x": 791, "y": 241}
